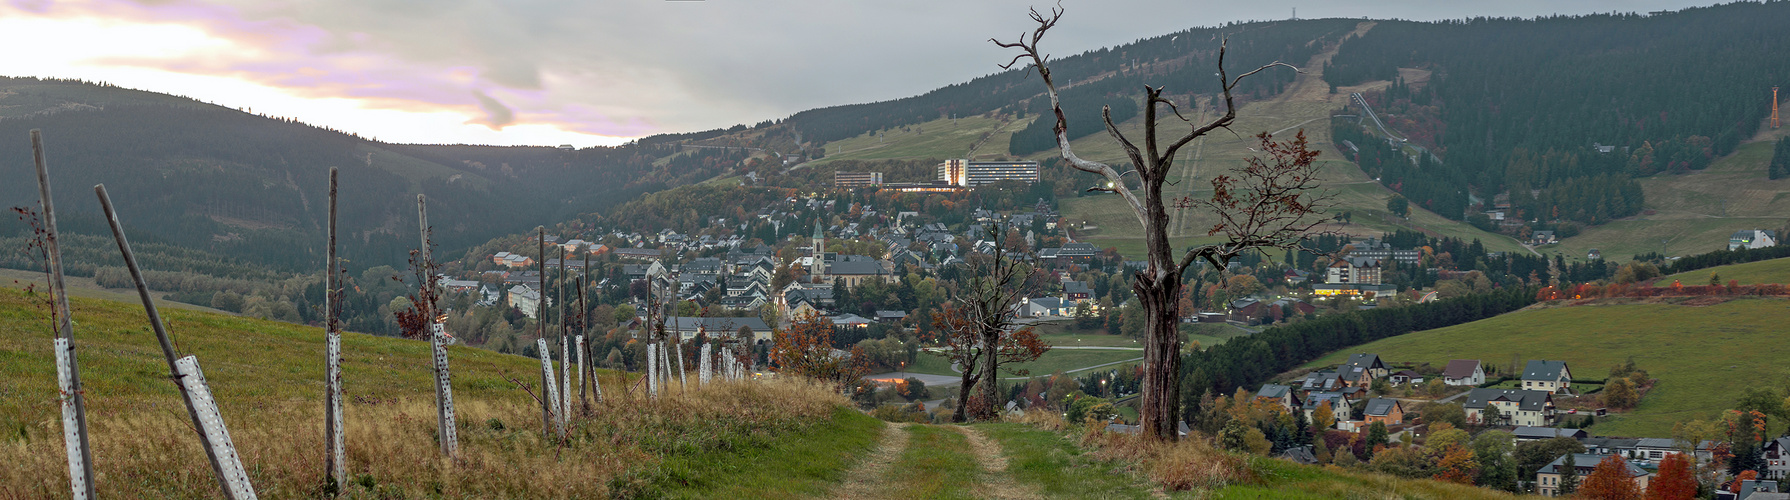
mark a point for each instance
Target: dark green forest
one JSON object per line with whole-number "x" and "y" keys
{"x": 1520, "y": 105}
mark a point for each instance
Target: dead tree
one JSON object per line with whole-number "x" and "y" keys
{"x": 980, "y": 331}
{"x": 207, "y": 422}
{"x": 335, "y": 455}
{"x": 1265, "y": 205}
{"x": 444, "y": 388}
{"x": 68, "y": 372}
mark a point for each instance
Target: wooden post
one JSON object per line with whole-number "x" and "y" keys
{"x": 68, "y": 372}
{"x": 578, "y": 365}
{"x": 335, "y": 454}
{"x": 677, "y": 341}
{"x": 213, "y": 435}
{"x": 444, "y": 388}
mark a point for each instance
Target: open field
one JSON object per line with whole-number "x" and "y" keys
{"x": 939, "y": 138}
{"x": 268, "y": 380}
{"x": 85, "y": 287}
{"x": 1694, "y": 213}
{"x": 1696, "y": 352}
{"x": 1750, "y": 273}
{"x": 1052, "y": 362}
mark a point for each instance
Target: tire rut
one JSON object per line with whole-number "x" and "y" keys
{"x": 870, "y": 479}
{"x": 995, "y": 482}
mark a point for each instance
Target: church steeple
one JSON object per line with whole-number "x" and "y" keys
{"x": 820, "y": 247}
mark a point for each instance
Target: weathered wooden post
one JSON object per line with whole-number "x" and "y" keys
{"x": 677, "y": 340}
{"x": 213, "y": 435}
{"x": 578, "y": 365}
{"x": 335, "y": 454}
{"x": 444, "y": 388}
{"x": 550, "y": 426}
{"x": 68, "y": 372}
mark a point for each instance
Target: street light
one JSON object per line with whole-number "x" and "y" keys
{"x": 904, "y": 370}
{"x": 1103, "y": 389}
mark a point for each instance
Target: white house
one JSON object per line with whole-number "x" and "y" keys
{"x": 1752, "y": 238}
{"x": 1463, "y": 372}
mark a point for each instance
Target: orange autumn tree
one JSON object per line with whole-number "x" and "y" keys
{"x": 806, "y": 350}
{"x": 1457, "y": 465}
{"x": 1610, "y": 481}
{"x": 1674, "y": 481}
{"x": 1740, "y": 480}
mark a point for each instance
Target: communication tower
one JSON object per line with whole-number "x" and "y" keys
{"x": 1774, "y": 107}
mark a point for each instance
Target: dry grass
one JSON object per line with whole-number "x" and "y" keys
{"x": 149, "y": 451}
{"x": 1182, "y": 465}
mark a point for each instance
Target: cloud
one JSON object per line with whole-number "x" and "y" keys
{"x": 632, "y": 68}
{"x": 496, "y": 114}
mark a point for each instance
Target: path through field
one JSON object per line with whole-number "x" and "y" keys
{"x": 933, "y": 461}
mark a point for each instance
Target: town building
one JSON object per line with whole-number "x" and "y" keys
{"x": 1514, "y": 406}
{"x": 961, "y": 172}
{"x": 1545, "y": 375}
{"x": 1752, "y": 238}
{"x": 1463, "y": 372}
{"x": 845, "y": 180}
{"x": 1547, "y": 479}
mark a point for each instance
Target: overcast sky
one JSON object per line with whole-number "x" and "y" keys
{"x": 591, "y": 72}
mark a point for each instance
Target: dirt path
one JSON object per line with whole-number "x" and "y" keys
{"x": 995, "y": 482}
{"x": 871, "y": 478}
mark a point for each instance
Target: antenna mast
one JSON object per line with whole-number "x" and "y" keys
{"x": 1774, "y": 107}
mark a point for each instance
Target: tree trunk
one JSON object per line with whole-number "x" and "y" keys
{"x": 991, "y": 380}
{"x": 963, "y": 391}
{"x": 1157, "y": 289}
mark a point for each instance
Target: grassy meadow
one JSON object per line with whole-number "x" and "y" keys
{"x": 1749, "y": 273}
{"x": 1702, "y": 355}
{"x": 267, "y": 378}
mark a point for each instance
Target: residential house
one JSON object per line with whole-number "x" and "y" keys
{"x": 1463, "y": 372}
{"x": 1071, "y": 253}
{"x": 1753, "y": 489}
{"x": 687, "y": 327}
{"x": 1386, "y": 411}
{"x": 849, "y": 320}
{"x": 883, "y": 316}
{"x": 1610, "y": 445}
{"x": 1515, "y": 406}
{"x": 1339, "y": 404}
{"x": 1547, "y": 479}
{"x": 1655, "y": 449}
{"x": 1527, "y": 433}
{"x": 1752, "y": 238}
{"x": 1077, "y": 291}
{"x": 1546, "y": 375}
{"x": 1369, "y": 363}
{"x": 1322, "y": 381}
{"x": 1540, "y": 238}
{"x": 1777, "y": 458}
{"x": 1280, "y": 394}
{"x": 639, "y": 253}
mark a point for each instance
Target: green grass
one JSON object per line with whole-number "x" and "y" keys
{"x": 1750, "y": 273}
{"x": 1052, "y": 362}
{"x": 934, "y": 139}
{"x": 1694, "y": 213}
{"x": 1700, "y": 354}
{"x": 937, "y": 463}
{"x": 1283, "y": 479}
{"x": 1059, "y": 468}
{"x": 792, "y": 468}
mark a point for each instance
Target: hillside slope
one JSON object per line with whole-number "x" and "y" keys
{"x": 1695, "y": 351}
{"x": 267, "y": 377}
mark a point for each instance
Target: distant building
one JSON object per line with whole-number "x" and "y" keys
{"x": 1547, "y": 479}
{"x": 1752, "y": 238}
{"x": 960, "y": 172}
{"x": 856, "y": 179}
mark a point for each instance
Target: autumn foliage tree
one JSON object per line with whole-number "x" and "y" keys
{"x": 1610, "y": 481}
{"x": 1674, "y": 481}
{"x": 805, "y": 349}
{"x": 1268, "y": 203}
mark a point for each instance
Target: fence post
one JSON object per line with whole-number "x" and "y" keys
{"x": 444, "y": 388}
{"x": 335, "y": 455}
{"x": 68, "y": 372}
{"x": 652, "y": 369}
{"x": 703, "y": 371}
{"x": 210, "y": 425}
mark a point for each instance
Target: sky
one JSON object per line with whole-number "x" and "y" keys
{"x": 599, "y": 72}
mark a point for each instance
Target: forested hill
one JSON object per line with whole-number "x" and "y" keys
{"x": 1096, "y": 77}
{"x": 1518, "y": 104}
{"x": 253, "y": 188}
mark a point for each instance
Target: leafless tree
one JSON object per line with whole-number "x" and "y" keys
{"x": 980, "y": 330}
{"x": 1267, "y": 204}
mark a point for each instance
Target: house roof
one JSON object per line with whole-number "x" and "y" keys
{"x": 1610, "y": 443}
{"x": 1076, "y": 287}
{"x": 1317, "y": 398}
{"x": 1048, "y": 302}
{"x": 1655, "y": 443}
{"x": 857, "y": 268}
{"x": 1460, "y": 368}
{"x": 1585, "y": 462}
{"x": 1525, "y": 432}
{"x": 1365, "y": 360}
{"x": 1380, "y": 407}
{"x": 1273, "y": 391}
{"x": 850, "y": 319}
{"x": 717, "y": 325}
{"x": 1527, "y": 400}
{"x": 1541, "y": 369}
